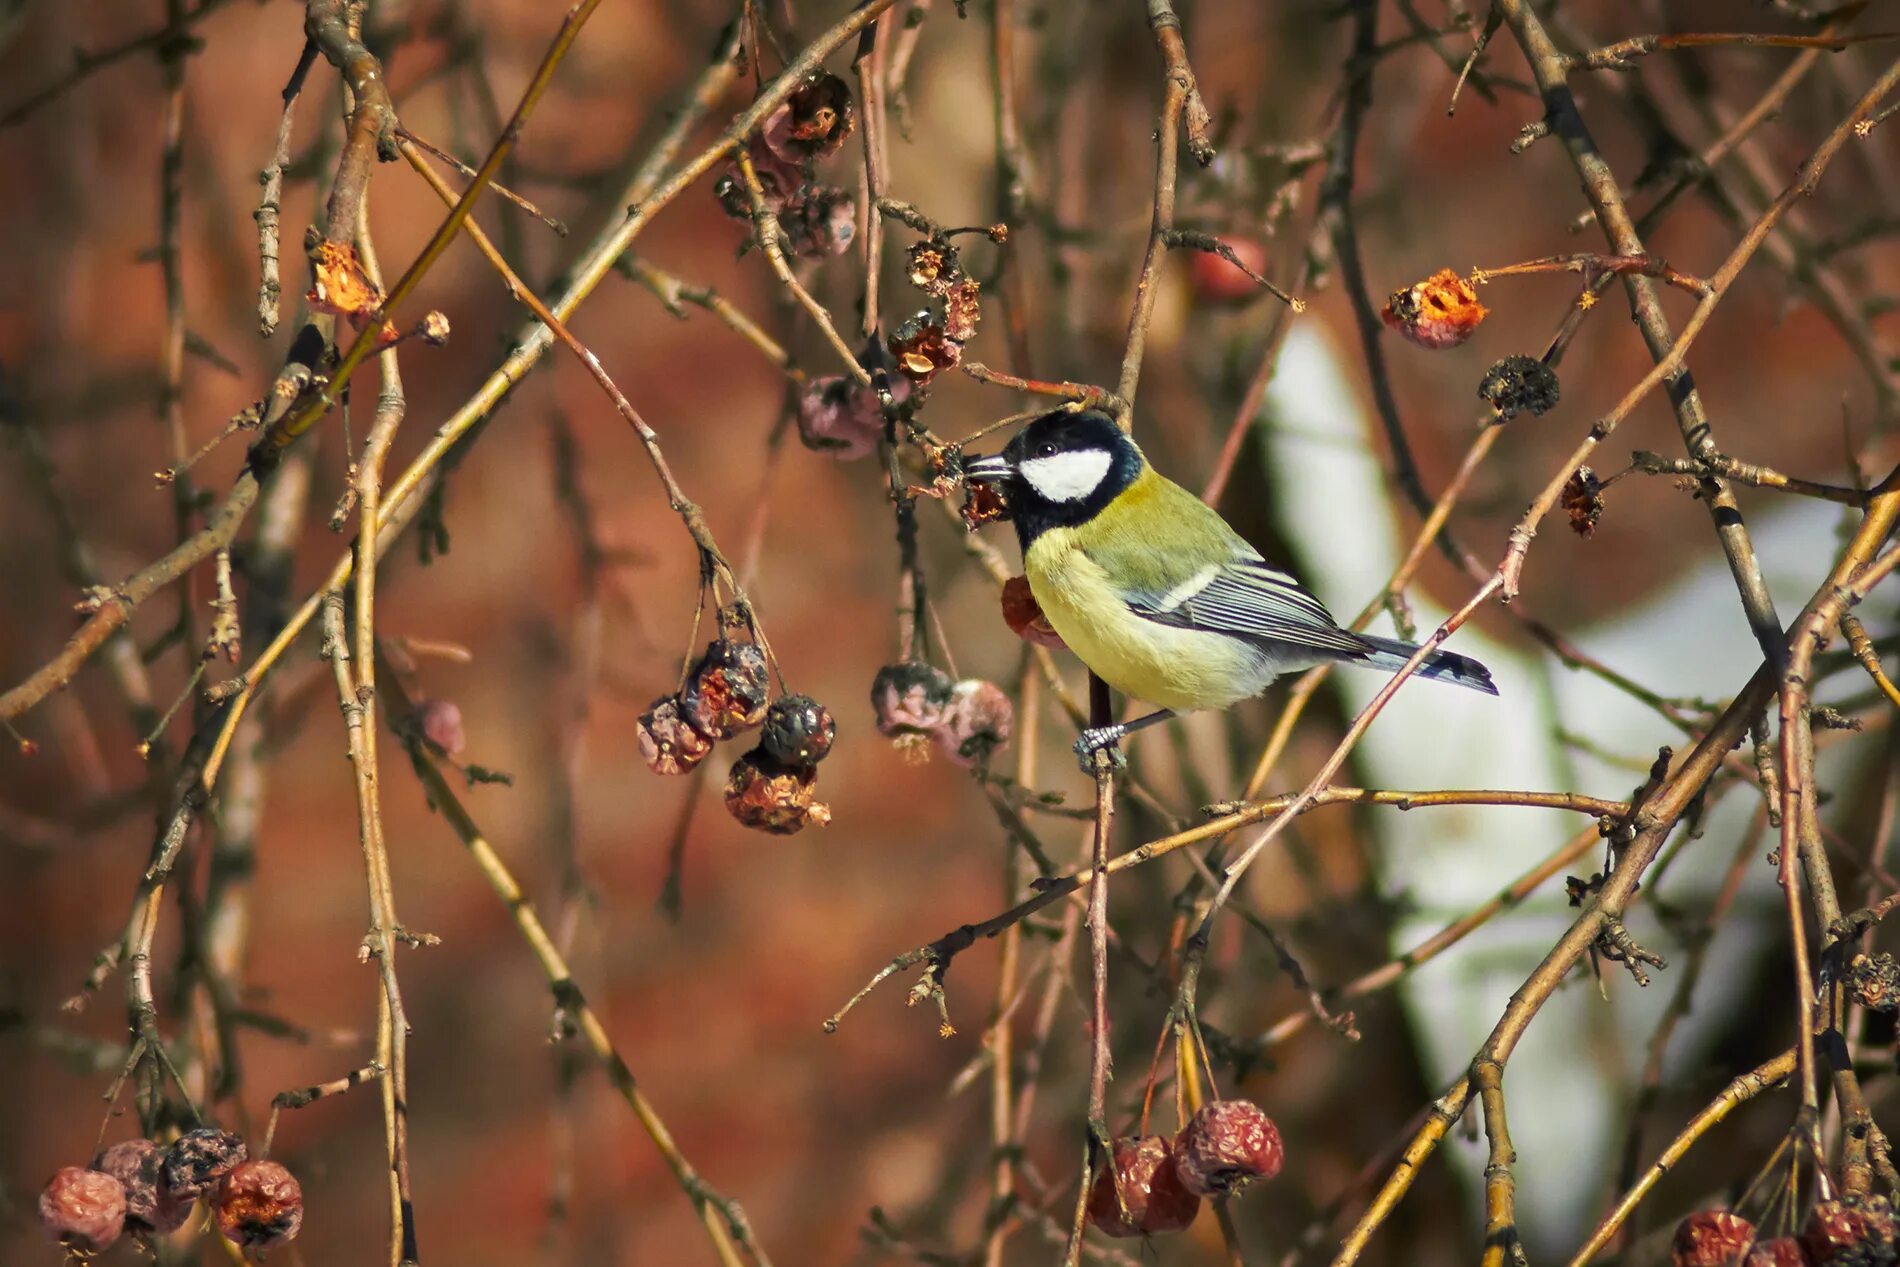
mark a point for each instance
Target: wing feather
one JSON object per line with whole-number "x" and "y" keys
{"x": 1250, "y": 598}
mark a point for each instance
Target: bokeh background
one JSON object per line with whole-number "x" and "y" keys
{"x": 518, "y": 1158}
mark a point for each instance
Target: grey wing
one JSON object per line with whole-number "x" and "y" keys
{"x": 1251, "y": 599}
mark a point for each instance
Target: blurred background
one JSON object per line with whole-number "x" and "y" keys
{"x": 521, "y": 1151}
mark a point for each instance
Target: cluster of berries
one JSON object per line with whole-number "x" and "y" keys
{"x": 1853, "y": 1231}
{"x": 728, "y": 691}
{"x": 932, "y": 341}
{"x": 1443, "y": 311}
{"x": 144, "y": 1189}
{"x": 1153, "y": 1184}
{"x": 919, "y": 705}
{"x": 816, "y": 220}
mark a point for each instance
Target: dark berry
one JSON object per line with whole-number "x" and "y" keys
{"x": 1710, "y": 1238}
{"x": 198, "y": 1159}
{"x": 84, "y": 1210}
{"x": 1875, "y": 981}
{"x": 910, "y": 698}
{"x": 135, "y": 1163}
{"x": 1151, "y": 1196}
{"x": 814, "y": 120}
{"x": 1782, "y": 1251}
{"x": 798, "y": 730}
{"x": 667, "y": 743}
{"x": 1023, "y": 614}
{"x": 1519, "y": 383}
{"x": 727, "y": 690}
{"x": 1855, "y": 1231}
{"x": 933, "y": 267}
{"x": 767, "y": 795}
{"x": 1226, "y": 1146}
{"x": 260, "y": 1204}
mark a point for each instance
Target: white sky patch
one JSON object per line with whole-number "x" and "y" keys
{"x": 1068, "y": 477}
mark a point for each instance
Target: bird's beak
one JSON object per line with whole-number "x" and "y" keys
{"x": 991, "y": 469}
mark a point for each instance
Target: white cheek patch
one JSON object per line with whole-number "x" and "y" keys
{"x": 1068, "y": 477}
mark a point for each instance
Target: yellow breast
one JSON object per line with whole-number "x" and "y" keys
{"x": 1175, "y": 668}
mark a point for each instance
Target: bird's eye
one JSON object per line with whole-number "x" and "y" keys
{"x": 1045, "y": 450}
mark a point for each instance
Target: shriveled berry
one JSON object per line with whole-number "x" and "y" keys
{"x": 983, "y": 503}
{"x": 727, "y": 690}
{"x": 1023, "y": 614}
{"x": 1440, "y": 312}
{"x": 932, "y": 266}
{"x": 668, "y": 743}
{"x": 1855, "y": 1231}
{"x": 260, "y": 1205}
{"x": 135, "y": 1164}
{"x": 820, "y": 221}
{"x": 979, "y": 720}
{"x": 780, "y": 181}
{"x": 1582, "y": 499}
{"x": 798, "y": 730}
{"x": 84, "y": 1210}
{"x": 1520, "y": 383}
{"x": 441, "y": 724}
{"x": 1710, "y": 1238}
{"x": 198, "y": 1159}
{"x": 962, "y": 309}
{"x": 1152, "y": 1198}
{"x": 765, "y": 794}
{"x": 1227, "y": 1145}
{"x": 1875, "y": 981}
{"x": 923, "y": 350}
{"x": 1782, "y": 1251}
{"x": 814, "y": 120}
{"x": 910, "y": 698}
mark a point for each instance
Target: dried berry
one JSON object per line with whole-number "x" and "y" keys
{"x": 1710, "y": 1238}
{"x": 148, "y": 1207}
{"x": 198, "y": 1159}
{"x": 983, "y": 503}
{"x": 1023, "y": 614}
{"x": 1583, "y": 499}
{"x": 923, "y": 350}
{"x": 668, "y": 742}
{"x": 798, "y": 730}
{"x": 814, "y": 120}
{"x": 727, "y": 690}
{"x": 765, "y": 794}
{"x": 1217, "y": 283}
{"x": 1440, "y": 312}
{"x": 933, "y": 267}
{"x": 441, "y": 724}
{"x": 1152, "y": 1200}
{"x": 1855, "y": 1231}
{"x": 962, "y": 308}
{"x": 839, "y": 417}
{"x": 978, "y": 722}
{"x": 260, "y": 1204}
{"x": 780, "y": 182}
{"x": 910, "y": 698}
{"x": 1226, "y": 1146}
{"x": 1518, "y": 383}
{"x": 820, "y": 222}
{"x": 339, "y": 284}
{"x": 1875, "y": 981}
{"x": 1782, "y": 1251}
{"x": 84, "y": 1210}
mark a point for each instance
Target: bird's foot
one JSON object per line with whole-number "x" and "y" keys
{"x": 1099, "y": 744}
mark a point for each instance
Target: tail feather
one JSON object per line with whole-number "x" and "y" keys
{"x": 1440, "y": 666}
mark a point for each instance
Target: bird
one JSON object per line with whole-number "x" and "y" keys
{"x": 1154, "y": 591}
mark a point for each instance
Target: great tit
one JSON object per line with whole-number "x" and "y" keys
{"x": 1154, "y": 591}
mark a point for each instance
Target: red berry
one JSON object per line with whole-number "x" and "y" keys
{"x": 84, "y": 1210}
{"x": 1217, "y": 283}
{"x": 135, "y": 1164}
{"x": 197, "y": 1160}
{"x": 441, "y": 723}
{"x": 911, "y": 698}
{"x": 1440, "y": 312}
{"x": 1023, "y": 614}
{"x": 977, "y": 723}
{"x": 1710, "y": 1238}
{"x": 1151, "y": 1195}
{"x": 667, "y": 743}
{"x": 727, "y": 690}
{"x": 1850, "y": 1232}
{"x": 765, "y": 794}
{"x": 1783, "y": 1251}
{"x": 1227, "y": 1145}
{"x": 260, "y": 1204}
{"x": 813, "y": 121}
{"x": 798, "y": 730}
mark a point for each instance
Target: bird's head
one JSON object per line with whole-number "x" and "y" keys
{"x": 1061, "y": 469}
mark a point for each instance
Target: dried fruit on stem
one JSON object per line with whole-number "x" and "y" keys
{"x": 1710, "y": 1238}
{"x": 979, "y": 720}
{"x": 1875, "y": 981}
{"x": 1151, "y": 1196}
{"x": 440, "y": 721}
{"x": 1225, "y": 1146}
{"x": 766, "y": 794}
{"x": 727, "y": 690}
{"x": 1517, "y": 384}
{"x": 798, "y": 730}
{"x": 820, "y": 222}
{"x": 1440, "y": 312}
{"x": 135, "y": 1163}
{"x": 933, "y": 267}
{"x": 84, "y": 1210}
{"x": 923, "y": 350}
{"x": 1023, "y": 614}
{"x": 260, "y": 1205}
{"x": 198, "y": 1160}
{"x": 814, "y": 122}
{"x": 1855, "y": 1231}
{"x": 911, "y": 698}
{"x": 983, "y": 504}
{"x": 838, "y": 416}
{"x": 668, "y": 742}
{"x": 1582, "y": 498}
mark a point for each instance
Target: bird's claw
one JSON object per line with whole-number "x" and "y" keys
{"x": 1101, "y": 743}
